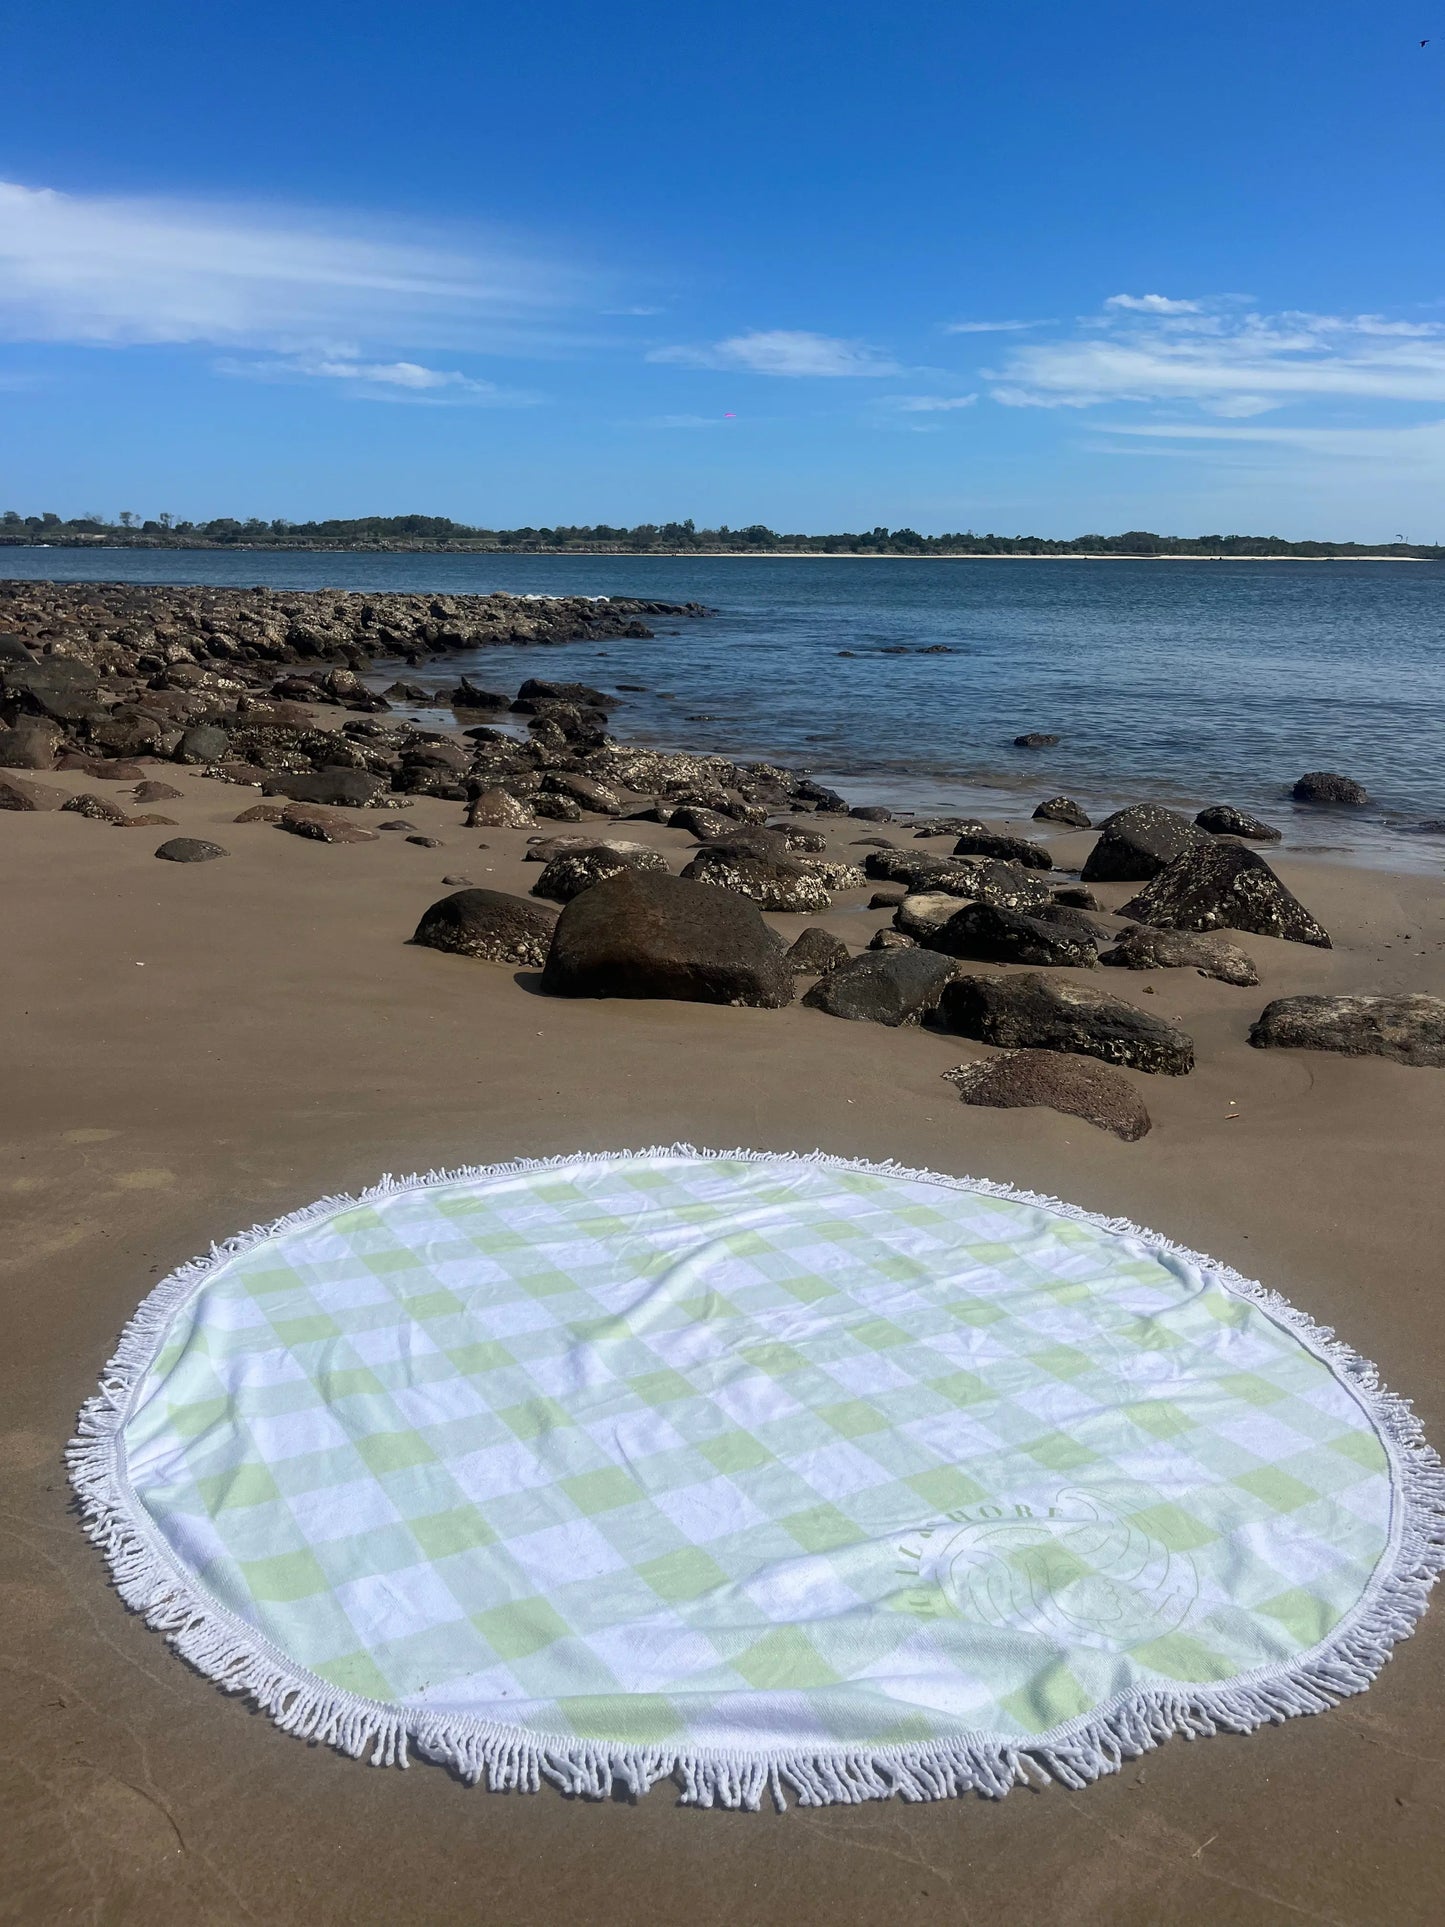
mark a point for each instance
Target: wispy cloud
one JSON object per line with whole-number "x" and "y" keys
{"x": 1226, "y": 363}
{"x": 1151, "y": 304}
{"x": 380, "y": 380}
{"x": 991, "y": 327}
{"x": 783, "y": 351}
{"x": 101, "y": 270}
{"x": 686, "y": 421}
{"x": 927, "y": 404}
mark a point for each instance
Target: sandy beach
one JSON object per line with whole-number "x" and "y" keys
{"x": 194, "y": 1048}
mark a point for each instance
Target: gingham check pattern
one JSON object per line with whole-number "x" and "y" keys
{"x": 702, "y": 1451}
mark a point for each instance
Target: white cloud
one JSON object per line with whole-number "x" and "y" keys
{"x": 1230, "y": 364}
{"x": 990, "y": 327}
{"x": 379, "y": 380}
{"x": 1151, "y": 304}
{"x": 929, "y": 404}
{"x": 685, "y": 421}
{"x": 783, "y": 351}
{"x": 103, "y": 270}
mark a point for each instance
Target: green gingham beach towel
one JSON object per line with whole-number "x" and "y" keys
{"x": 776, "y": 1474}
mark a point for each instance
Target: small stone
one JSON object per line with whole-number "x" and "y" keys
{"x": 1143, "y": 948}
{"x": 871, "y": 813}
{"x": 1325, "y": 786}
{"x": 146, "y": 821}
{"x": 1223, "y": 819}
{"x": 323, "y": 825}
{"x": 497, "y": 810}
{"x": 1029, "y": 1011}
{"x": 886, "y": 899}
{"x": 1406, "y": 1030}
{"x": 457, "y": 880}
{"x": 16, "y": 794}
{"x": 1035, "y": 739}
{"x": 426, "y": 842}
{"x": 886, "y": 939}
{"x": 893, "y": 987}
{"x": 1076, "y": 1086}
{"x": 815, "y": 951}
{"x": 262, "y": 813}
{"x": 97, "y": 808}
{"x": 190, "y": 849}
{"x": 488, "y": 925}
{"x": 156, "y": 793}
{"x": 1063, "y": 809}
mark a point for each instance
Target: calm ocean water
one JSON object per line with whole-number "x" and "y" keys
{"x": 1191, "y": 682}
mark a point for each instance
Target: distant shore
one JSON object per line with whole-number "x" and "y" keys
{"x": 148, "y": 546}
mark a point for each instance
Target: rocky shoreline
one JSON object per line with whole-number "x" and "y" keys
{"x": 992, "y": 938}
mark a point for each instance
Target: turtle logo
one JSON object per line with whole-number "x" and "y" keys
{"x": 1079, "y": 1568}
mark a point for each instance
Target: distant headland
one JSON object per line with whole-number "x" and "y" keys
{"x": 438, "y": 533}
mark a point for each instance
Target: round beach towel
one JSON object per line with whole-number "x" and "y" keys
{"x": 777, "y": 1474}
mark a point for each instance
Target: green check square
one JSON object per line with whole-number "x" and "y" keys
{"x": 660, "y": 1388}
{"x": 523, "y": 1627}
{"x": 460, "y": 1529}
{"x": 946, "y": 1489}
{"x": 602, "y": 1491}
{"x": 394, "y": 1451}
{"x": 822, "y": 1527}
{"x": 735, "y": 1452}
{"x": 1277, "y": 1489}
{"x": 786, "y": 1659}
{"x": 285, "y": 1576}
{"x": 685, "y": 1574}
{"x": 855, "y": 1418}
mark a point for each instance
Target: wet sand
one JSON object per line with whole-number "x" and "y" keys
{"x": 191, "y": 1049}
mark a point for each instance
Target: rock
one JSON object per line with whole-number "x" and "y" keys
{"x": 835, "y": 874}
{"x": 596, "y": 797}
{"x": 190, "y": 849}
{"x": 887, "y": 899}
{"x": 1223, "y": 819}
{"x": 1144, "y": 949}
{"x": 1075, "y": 896}
{"x": 334, "y": 788}
{"x": 465, "y": 882}
{"x": 1009, "y": 849}
{"x": 16, "y": 794}
{"x": 262, "y": 813}
{"x": 1035, "y": 739}
{"x": 770, "y": 846}
{"x": 1324, "y": 786}
{"x": 102, "y": 769}
{"x": 1224, "y": 886}
{"x": 1407, "y": 1030}
{"x": 981, "y": 879}
{"x": 871, "y": 813}
{"x": 703, "y": 824}
{"x": 923, "y": 912}
{"x": 1135, "y": 844}
{"x": 579, "y": 694}
{"x": 560, "y": 809}
{"x": 1011, "y": 936}
{"x": 490, "y": 925}
{"x": 497, "y": 810}
{"x": 97, "y": 808}
{"x": 469, "y": 695}
{"x": 205, "y": 743}
{"x": 156, "y": 793}
{"x": 1036, "y": 1013}
{"x": 33, "y": 742}
{"x": 418, "y": 695}
{"x": 570, "y": 872}
{"x": 1063, "y": 809}
{"x": 801, "y": 842}
{"x": 647, "y": 934}
{"x": 1076, "y": 1086}
{"x": 893, "y": 986}
{"x": 815, "y": 951}
{"x": 323, "y": 825}
{"x": 426, "y": 842}
{"x": 55, "y": 686}
{"x": 147, "y": 821}
{"x": 773, "y": 883}
{"x": 886, "y": 939}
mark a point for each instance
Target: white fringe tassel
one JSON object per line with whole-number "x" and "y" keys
{"x": 241, "y": 1660}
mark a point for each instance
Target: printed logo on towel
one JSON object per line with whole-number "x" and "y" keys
{"x": 1078, "y": 1566}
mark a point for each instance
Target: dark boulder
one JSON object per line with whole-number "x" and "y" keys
{"x": 497, "y": 810}
{"x": 593, "y": 796}
{"x": 871, "y": 813}
{"x": 1035, "y": 739}
{"x": 55, "y": 686}
{"x": 894, "y": 986}
{"x": 647, "y": 934}
{"x": 557, "y": 809}
{"x": 570, "y": 872}
{"x": 1217, "y": 886}
{"x": 698, "y": 822}
{"x": 190, "y": 849}
{"x": 774, "y": 883}
{"x": 1076, "y": 1086}
{"x": 1223, "y": 819}
{"x": 579, "y": 694}
{"x": 1406, "y": 1030}
{"x": 321, "y": 825}
{"x": 1076, "y": 896}
{"x": 1141, "y": 948}
{"x": 1063, "y": 809}
{"x": 1009, "y": 849}
{"x": 1010, "y": 936}
{"x": 204, "y": 743}
{"x": 470, "y": 695}
{"x": 350, "y": 789}
{"x": 32, "y": 743}
{"x": 1031, "y": 1012}
{"x": 151, "y": 792}
{"x": 815, "y": 951}
{"x": 886, "y": 939}
{"x": 1135, "y": 844}
{"x": 17, "y": 794}
{"x": 98, "y": 808}
{"x": 490, "y": 925}
{"x": 1324, "y": 786}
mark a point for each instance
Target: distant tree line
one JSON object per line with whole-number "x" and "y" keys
{"x": 661, "y": 538}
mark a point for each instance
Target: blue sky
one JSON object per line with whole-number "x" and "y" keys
{"x": 1004, "y": 266}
